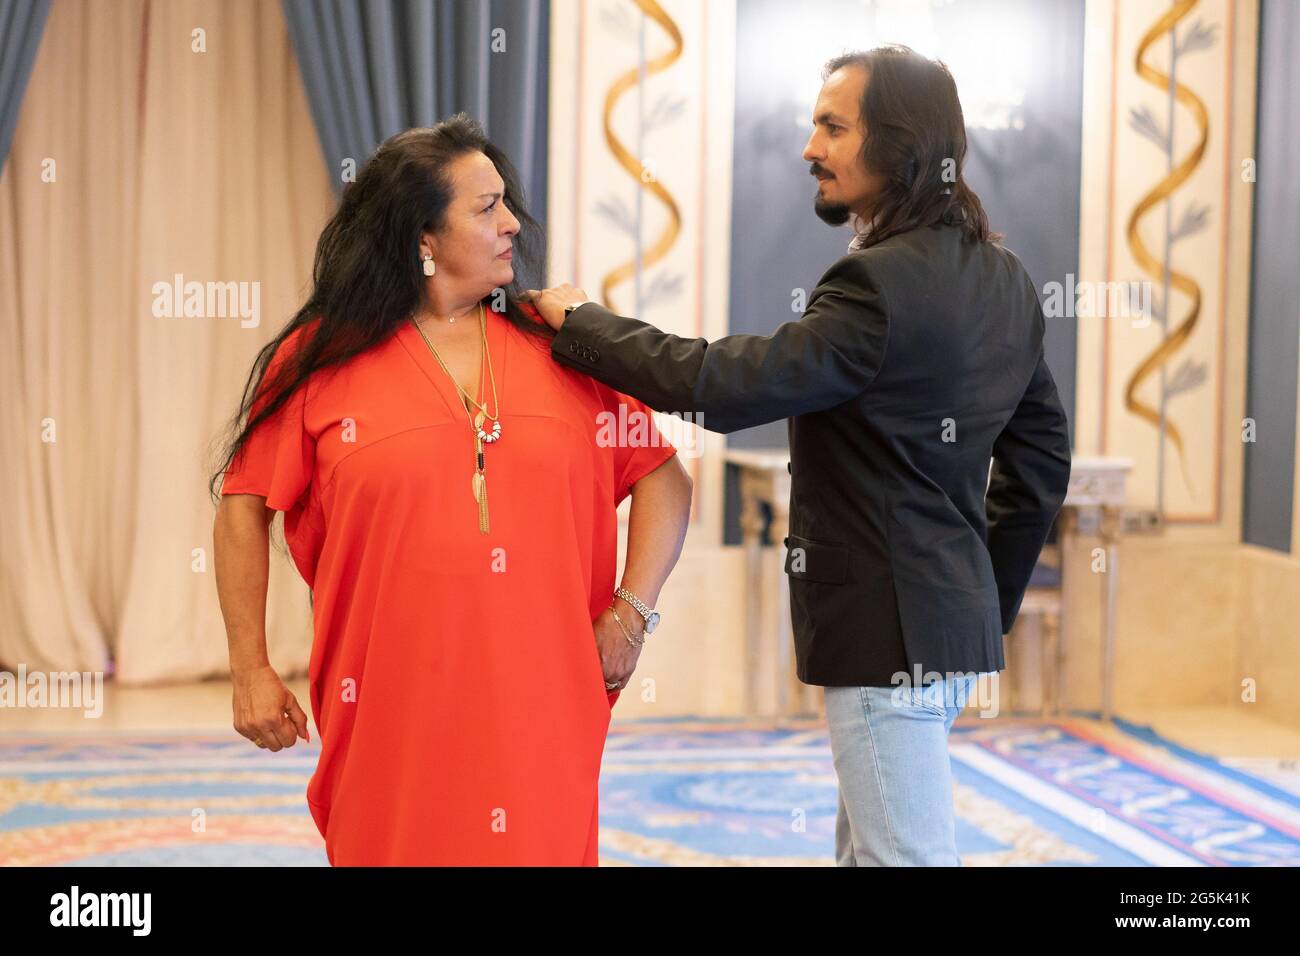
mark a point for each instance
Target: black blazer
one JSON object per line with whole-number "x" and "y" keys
{"x": 917, "y": 361}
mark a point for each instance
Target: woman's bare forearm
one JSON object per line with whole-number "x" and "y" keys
{"x": 661, "y": 511}
{"x": 241, "y": 541}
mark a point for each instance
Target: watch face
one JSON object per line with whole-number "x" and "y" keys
{"x": 652, "y": 622}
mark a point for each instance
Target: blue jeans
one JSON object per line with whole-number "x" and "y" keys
{"x": 890, "y": 747}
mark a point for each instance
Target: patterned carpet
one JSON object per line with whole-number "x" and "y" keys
{"x": 1073, "y": 792}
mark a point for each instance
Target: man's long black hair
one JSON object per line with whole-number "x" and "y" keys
{"x": 916, "y": 140}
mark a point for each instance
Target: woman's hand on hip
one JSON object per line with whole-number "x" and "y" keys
{"x": 266, "y": 712}
{"x": 618, "y": 657}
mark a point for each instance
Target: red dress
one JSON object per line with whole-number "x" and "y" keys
{"x": 455, "y": 680}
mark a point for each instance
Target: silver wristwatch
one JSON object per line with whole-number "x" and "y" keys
{"x": 650, "y": 616}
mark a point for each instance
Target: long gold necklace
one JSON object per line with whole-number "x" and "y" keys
{"x": 478, "y": 483}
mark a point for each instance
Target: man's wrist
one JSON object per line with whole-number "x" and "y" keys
{"x": 574, "y": 343}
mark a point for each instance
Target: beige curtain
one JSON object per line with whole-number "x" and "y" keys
{"x": 157, "y": 138}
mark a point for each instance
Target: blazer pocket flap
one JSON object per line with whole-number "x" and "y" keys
{"x": 815, "y": 561}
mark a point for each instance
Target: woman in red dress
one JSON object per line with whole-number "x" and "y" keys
{"x": 449, "y": 496}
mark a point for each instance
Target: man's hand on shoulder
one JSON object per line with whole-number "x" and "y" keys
{"x": 552, "y": 302}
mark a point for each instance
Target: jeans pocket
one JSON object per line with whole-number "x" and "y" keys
{"x": 929, "y": 699}
{"x": 906, "y": 698}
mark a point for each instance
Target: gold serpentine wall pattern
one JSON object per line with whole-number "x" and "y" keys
{"x": 633, "y": 166}
{"x": 1162, "y": 192}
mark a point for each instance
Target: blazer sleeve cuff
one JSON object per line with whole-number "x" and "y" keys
{"x": 577, "y": 343}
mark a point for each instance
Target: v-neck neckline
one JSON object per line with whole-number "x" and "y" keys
{"x": 498, "y": 348}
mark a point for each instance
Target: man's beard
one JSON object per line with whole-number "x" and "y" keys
{"x": 831, "y": 213}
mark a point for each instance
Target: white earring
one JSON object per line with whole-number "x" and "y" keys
{"x": 428, "y": 264}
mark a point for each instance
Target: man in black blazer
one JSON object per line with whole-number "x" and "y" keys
{"x": 918, "y": 360}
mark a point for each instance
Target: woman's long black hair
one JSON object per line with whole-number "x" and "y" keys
{"x": 367, "y": 276}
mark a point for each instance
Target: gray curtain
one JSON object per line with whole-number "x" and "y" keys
{"x": 1274, "y": 342}
{"x": 21, "y": 24}
{"x": 372, "y": 68}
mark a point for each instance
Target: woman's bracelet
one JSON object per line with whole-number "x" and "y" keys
{"x": 626, "y": 633}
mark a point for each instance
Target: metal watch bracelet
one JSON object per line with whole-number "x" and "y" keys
{"x": 649, "y": 615}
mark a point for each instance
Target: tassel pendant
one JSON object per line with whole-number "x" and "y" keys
{"x": 479, "y": 486}
{"x": 482, "y": 502}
